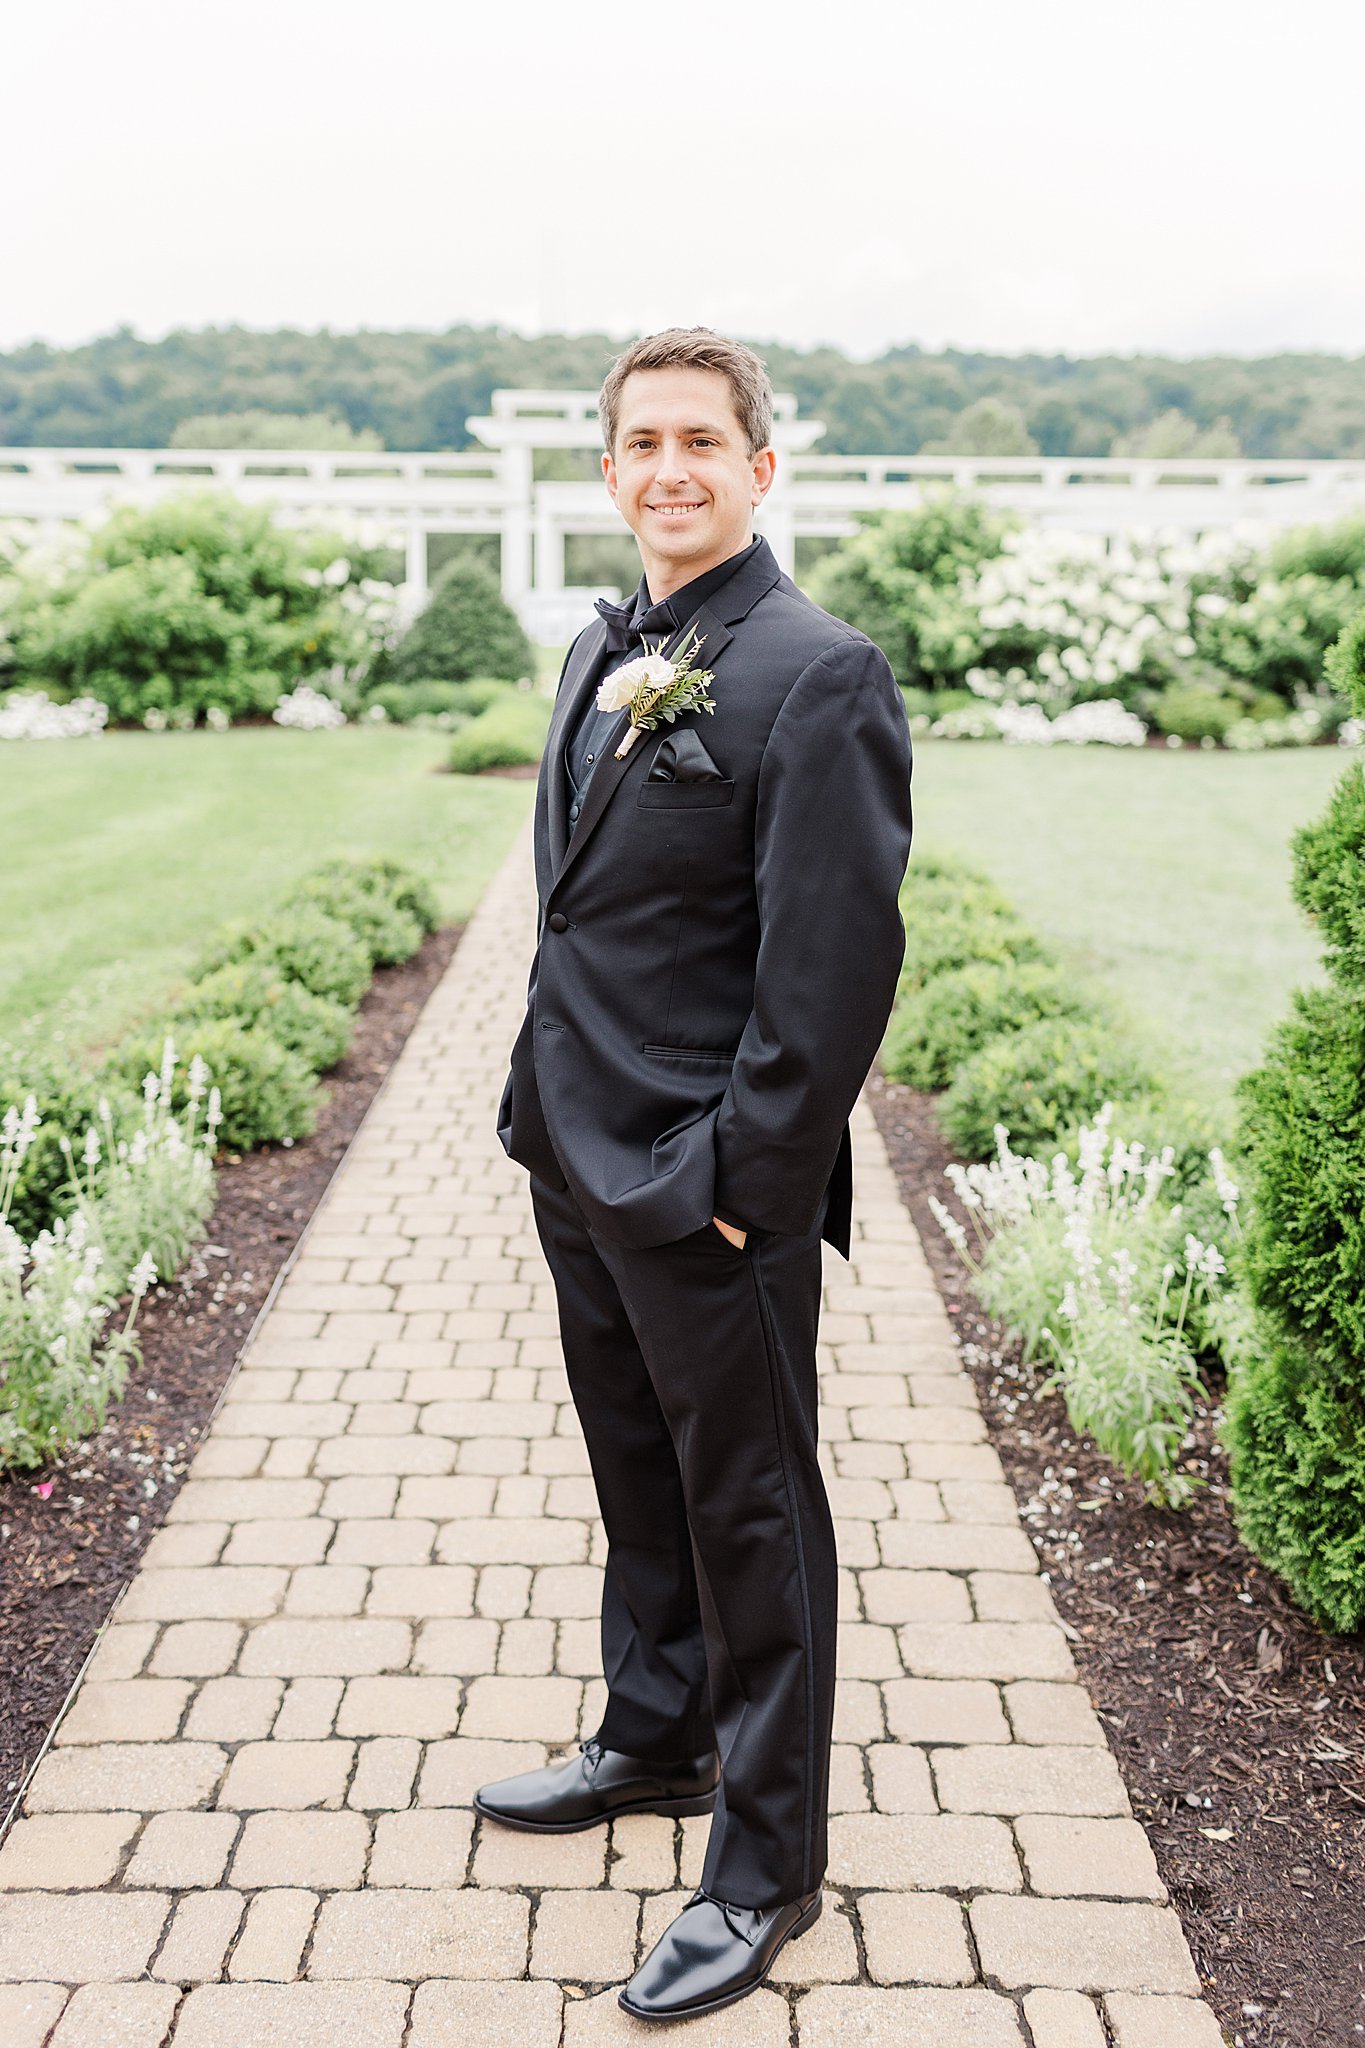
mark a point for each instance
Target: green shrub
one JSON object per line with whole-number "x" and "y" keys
{"x": 1038, "y": 1082}
{"x": 466, "y": 630}
{"x": 1295, "y": 1438}
{"x": 404, "y": 703}
{"x": 199, "y": 601}
{"x": 1329, "y": 876}
{"x": 1193, "y": 711}
{"x": 1303, "y": 1121}
{"x": 510, "y": 733}
{"x": 406, "y": 889}
{"x": 387, "y": 933}
{"x": 1333, "y": 552}
{"x": 1295, "y": 1415}
{"x": 254, "y": 994}
{"x": 305, "y": 944}
{"x": 897, "y": 581}
{"x": 944, "y": 940}
{"x": 267, "y": 1093}
{"x": 1157, "y": 1118}
{"x": 942, "y": 1024}
{"x": 68, "y": 1101}
{"x": 1277, "y": 638}
{"x": 431, "y": 698}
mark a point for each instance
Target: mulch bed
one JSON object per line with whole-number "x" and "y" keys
{"x": 66, "y": 1557}
{"x": 1236, "y": 1722}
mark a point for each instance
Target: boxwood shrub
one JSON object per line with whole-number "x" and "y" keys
{"x": 255, "y": 995}
{"x": 940, "y": 1025}
{"x": 1039, "y": 1082}
{"x": 67, "y": 1098}
{"x": 388, "y": 934}
{"x": 267, "y": 1093}
{"x": 510, "y": 733}
{"x": 303, "y": 943}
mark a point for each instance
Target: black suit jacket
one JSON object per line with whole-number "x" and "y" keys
{"x": 717, "y": 955}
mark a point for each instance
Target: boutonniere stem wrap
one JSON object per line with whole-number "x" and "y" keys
{"x": 655, "y": 689}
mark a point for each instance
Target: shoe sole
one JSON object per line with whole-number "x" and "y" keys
{"x": 689, "y": 2012}
{"x": 681, "y": 1808}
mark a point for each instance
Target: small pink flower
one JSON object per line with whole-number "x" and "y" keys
{"x": 45, "y": 1489}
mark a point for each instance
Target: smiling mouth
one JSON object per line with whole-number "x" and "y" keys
{"x": 677, "y": 511}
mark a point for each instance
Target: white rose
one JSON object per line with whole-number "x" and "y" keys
{"x": 616, "y": 690}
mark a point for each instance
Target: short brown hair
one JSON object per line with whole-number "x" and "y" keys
{"x": 696, "y": 348}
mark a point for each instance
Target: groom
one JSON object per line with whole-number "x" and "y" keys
{"x": 717, "y": 954}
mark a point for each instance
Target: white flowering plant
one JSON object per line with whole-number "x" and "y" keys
{"x": 1093, "y": 1267}
{"x": 308, "y": 710}
{"x": 1067, "y": 617}
{"x": 139, "y": 1203}
{"x": 32, "y": 715}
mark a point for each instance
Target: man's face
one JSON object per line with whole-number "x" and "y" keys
{"x": 681, "y": 475}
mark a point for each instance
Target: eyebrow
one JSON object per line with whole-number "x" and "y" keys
{"x": 702, "y": 429}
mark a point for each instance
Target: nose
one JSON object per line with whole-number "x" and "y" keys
{"x": 672, "y": 467}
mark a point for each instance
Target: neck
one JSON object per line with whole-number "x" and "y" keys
{"x": 663, "y": 578}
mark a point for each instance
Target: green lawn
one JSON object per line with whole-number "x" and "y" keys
{"x": 118, "y": 854}
{"x": 1165, "y": 875}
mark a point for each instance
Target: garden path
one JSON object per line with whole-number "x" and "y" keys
{"x": 377, "y": 1588}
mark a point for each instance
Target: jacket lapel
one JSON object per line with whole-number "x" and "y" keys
{"x": 568, "y": 705}
{"x": 607, "y": 775}
{"x": 732, "y": 601}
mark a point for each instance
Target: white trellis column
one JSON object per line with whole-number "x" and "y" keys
{"x": 515, "y": 466}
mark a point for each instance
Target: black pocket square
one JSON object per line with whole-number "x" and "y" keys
{"x": 682, "y": 758}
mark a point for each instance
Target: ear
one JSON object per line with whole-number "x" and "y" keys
{"x": 765, "y": 468}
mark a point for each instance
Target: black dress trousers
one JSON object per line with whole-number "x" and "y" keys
{"x": 692, "y": 1367}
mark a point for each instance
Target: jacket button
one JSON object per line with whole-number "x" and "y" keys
{"x": 557, "y": 921}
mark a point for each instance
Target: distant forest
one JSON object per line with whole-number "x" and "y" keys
{"x": 414, "y": 390}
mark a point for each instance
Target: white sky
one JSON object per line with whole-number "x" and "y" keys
{"x": 1180, "y": 175}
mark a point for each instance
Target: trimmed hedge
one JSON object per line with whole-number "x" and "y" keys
{"x": 303, "y": 943}
{"x": 68, "y": 1102}
{"x": 271, "y": 1002}
{"x": 943, "y": 1023}
{"x": 509, "y": 734}
{"x": 1038, "y": 1082}
{"x": 268, "y": 1094}
{"x": 256, "y": 995}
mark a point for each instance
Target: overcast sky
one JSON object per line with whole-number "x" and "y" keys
{"x": 1182, "y": 175}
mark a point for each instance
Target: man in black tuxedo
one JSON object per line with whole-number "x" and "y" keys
{"x": 717, "y": 952}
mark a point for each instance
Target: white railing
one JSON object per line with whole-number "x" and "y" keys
{"x": 400, "y": 499}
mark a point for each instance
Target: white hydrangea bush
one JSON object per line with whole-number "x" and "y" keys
{"x": 1068, "y": 617}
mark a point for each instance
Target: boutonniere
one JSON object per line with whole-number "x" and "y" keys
{"x": 655, "y": 689}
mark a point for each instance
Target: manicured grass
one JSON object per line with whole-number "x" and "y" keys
{"x": 118, "y": 854}
{"x": 1165, "y": 875}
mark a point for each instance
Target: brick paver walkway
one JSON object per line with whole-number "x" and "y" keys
{"x": 378, "y": 1587}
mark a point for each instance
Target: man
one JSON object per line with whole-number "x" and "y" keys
{"x": 717, "y": 953}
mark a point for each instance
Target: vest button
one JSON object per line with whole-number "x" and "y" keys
{"x": 557, "y": 921}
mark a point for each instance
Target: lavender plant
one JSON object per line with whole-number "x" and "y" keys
{"x": 140, "y": 1203}
{"x": 1093, "y": 1268}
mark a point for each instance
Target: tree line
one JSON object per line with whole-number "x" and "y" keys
{"x": 414, "y": 390}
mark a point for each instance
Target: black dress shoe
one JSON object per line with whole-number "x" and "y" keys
{"x": 713, "y": 1954}
{"x": 595, "y": 1786}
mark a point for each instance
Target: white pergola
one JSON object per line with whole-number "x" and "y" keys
{"x": 402, "y": 499}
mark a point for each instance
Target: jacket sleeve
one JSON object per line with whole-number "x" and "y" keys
{"x": 832, "y": 840}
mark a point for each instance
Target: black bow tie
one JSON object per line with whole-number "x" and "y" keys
{"x": 624, "y": 628}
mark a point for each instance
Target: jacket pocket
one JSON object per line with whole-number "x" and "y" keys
{"x": 684, "y": 796}
{"x": 689, "y": 1052}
